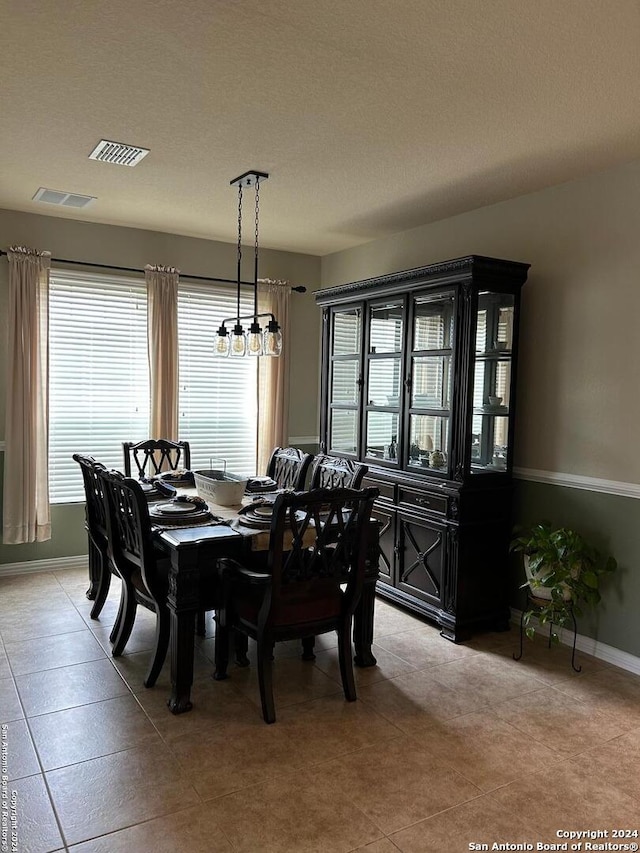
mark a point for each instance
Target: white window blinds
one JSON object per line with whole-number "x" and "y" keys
{"x": 218, "y": 396}
{"x": 99, "y": 375}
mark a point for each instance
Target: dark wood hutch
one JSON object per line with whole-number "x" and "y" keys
{"x": 418, "y": 382}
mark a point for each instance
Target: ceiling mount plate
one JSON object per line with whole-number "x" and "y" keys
{"x": 250, "y": 179}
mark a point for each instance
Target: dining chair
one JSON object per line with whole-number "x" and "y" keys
{"x": 288, "y": 466}
{"x": 155, "y": 455}
{"x": 308, "y": 588}
{"x": 144, "y": 573}
{"x": 331, "y": 472}
{"x": 143, "y": 568}
{"x": 100, "y": 568}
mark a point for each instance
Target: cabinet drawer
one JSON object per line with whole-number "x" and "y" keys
{"x": 423, "y": 500}
{"x": 386, "y": 489}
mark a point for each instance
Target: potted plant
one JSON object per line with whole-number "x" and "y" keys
{"x": 563, "y": 573}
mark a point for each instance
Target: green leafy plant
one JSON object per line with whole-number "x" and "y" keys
{"x": 564, "y": 572}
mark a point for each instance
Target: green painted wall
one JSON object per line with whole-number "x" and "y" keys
{"x": 612, "y": 523}
{"x": 68, "y": 534}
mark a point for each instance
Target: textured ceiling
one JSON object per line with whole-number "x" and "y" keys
{"x": 371, "y": 116}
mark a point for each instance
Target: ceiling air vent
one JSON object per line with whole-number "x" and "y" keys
{"x": 118, "y": 153}
{"x": 63, "y": 199}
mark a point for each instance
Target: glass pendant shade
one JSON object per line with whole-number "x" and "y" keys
{"x": 221, "y": 346}
{"x": 238, "y": 342}
{"x": 272, "y": 339}
{"x": 254, "y": 339}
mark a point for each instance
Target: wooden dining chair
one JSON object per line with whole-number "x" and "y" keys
{"x": 332, "y": 472}
{"x": 100, "y": 567}
{"x": 143, "y": 568}
{"x": 144, "y": 574}
{"x": 307, "y": 588}
{"x": 154, "y": 456}
{"x": 288, "y": 466}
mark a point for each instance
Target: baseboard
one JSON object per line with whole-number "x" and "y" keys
{"x": 588, "y": 645}
{"x": 56, "y": 564}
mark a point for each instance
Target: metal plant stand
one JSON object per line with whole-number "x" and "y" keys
{"x": 534, "y": 603}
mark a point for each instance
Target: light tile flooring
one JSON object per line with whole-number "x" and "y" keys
{"x": 447, "y": 746}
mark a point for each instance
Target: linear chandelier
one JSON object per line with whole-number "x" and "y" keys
{"x": 255, "y": 341}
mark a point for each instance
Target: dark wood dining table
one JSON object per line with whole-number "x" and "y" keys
{"x": 193, "y": 552}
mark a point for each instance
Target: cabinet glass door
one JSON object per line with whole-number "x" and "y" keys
{"x": 345, "y": 380}
{"x": 492, "y": 383}
{"x": 384, "y": 381}
{"x": 431, "y": 380}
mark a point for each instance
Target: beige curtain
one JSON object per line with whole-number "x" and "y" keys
{"x": 273, "y": 374}
{"x": 162, "y": 325}
{"x": 26, "y": 512}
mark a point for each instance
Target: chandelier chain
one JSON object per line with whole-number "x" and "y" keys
{"x": 257, "y": 213}
{"x": 239, "y": 223}
{"x": 239, "y": 245}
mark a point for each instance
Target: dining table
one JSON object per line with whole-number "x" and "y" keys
{"x": 194, "y": 551}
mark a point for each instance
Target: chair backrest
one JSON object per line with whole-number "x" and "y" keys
{"x": 130, "y": 546}
{"x": 318, "y": 581}
{"x": 94, "y": 497}
{"x": 288, "y": 466}
{"x": 333, "y": 472}
{"x": 154, "y": 456}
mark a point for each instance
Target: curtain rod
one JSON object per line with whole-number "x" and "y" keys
{"x": 299, "y": 289}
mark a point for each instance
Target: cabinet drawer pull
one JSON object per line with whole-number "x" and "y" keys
{"x": 423, "y": 501}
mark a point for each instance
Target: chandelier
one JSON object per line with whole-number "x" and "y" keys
{"x": 254, "y": 341}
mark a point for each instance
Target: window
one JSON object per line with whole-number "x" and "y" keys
{"x": 99, "y": 377}
{"x": 98, "y": 374}
{"x": 218, "y": 397}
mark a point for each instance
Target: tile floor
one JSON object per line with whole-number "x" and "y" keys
{"x": 447, "y": 746}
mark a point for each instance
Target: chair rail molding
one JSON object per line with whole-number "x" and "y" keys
{"x": 577, "y": 481}
{"x": 294, "y": 440}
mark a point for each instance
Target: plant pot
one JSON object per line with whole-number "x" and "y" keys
{"x": 542, "y": 592}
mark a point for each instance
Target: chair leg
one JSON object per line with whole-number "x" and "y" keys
{"x": 221, "y": 647}
{"x": 241, "y": 647}
{"x": 95, "y": 571}
{"x": 346, "y": 661}
{"x": 201, "y": 630}
{"x": 119, "y": 617}
{"x": 162, "y": 644}
{"x": 265, "y": 679}
{"x": 307, "y": 648}
{"x": 126, "y": 617}
{"x": 102, "y": 588}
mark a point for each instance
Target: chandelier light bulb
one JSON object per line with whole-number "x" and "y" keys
{"x": 238, "y": 341}
{"x": 221, "y": 347}
{"x": 254, "y": 339}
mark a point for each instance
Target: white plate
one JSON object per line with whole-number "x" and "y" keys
{"x": 252, "y": 521}
{"x": 178, "y": 508}
{"x": 262, "y": 511}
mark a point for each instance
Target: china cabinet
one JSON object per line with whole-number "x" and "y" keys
{"x": 418, "y": 383}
